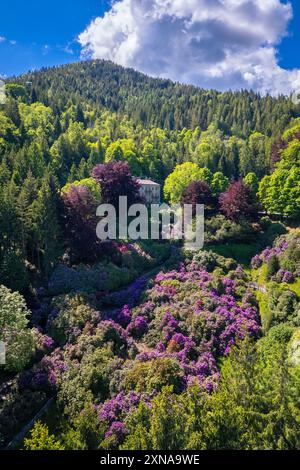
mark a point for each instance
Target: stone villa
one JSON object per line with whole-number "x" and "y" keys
{"x": 150, "y": 191}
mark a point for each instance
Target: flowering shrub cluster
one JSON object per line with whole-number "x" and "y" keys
{"x": 44, "y": 375}
{"x": 284, "y": 276}
{"x": 118, "y": 358}
{"x": 188, "y": 320}
{"x": 125, "y": 262}
{"x": 269, "y": 253}
{"x": 283, "y": 259}
{"x": 211, "y": 317}
{"x": 114, "y": 412}
{"x": 138, "y": 327}
{"x": 129, "y": 295}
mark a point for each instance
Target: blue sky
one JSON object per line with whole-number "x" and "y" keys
{"x": 290, "y": 45}
{"x": 45, "y": 32}
{"x": 193, "y": 41}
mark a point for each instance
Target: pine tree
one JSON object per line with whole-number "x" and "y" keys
{"x": 46, "y": 210}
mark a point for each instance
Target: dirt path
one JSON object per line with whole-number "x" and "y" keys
{"x": 258, "y": 287}
{"x": 18, "y": 439}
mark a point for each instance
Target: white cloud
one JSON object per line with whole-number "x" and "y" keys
{"x": 13, "y": 42}
{"x": 211, "y": 43}
{"x": 45, "y": 49}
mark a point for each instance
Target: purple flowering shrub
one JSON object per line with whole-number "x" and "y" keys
{"x": 266, "y": 255}
{"x": 222, "y": 314}
{"x": 282, "y": 259}
{"x": 115, "y": 436}
{"x": 80, "y": 372}
{"x": 113, "y": 413}
{"x": 138, "y": 327}
{"x": 209, "y": 260}
{"x": 290, "y": 259}
{"x": 106, "y": 333}
{"x": 17, "y": 409}
{"x": 185, "y": 325}
{"x": 116, "y": 359}
{"x": 129, "y": 295}
{"x": 283, "y": 276}
{"x": 44, "y": 375}
{"x": 44, "y": 344}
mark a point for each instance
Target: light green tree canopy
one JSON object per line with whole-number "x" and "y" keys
{"x": 219, "y": 183}
{"x": 292, "y": 130}
{"x": 178, "y": 181}
{"x": 41, "y": 439}
{"x": 280, "y": 192}
{"x": 13, "y": 330}
{"x": 252, "y": 180}
{"x": 89, "y": 183}
{"x": 37, "y": 119}
{"x": 291, "y": 155}
{"x": 126, "y": 150}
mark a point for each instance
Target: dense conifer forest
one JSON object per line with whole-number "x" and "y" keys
{"x": 159, "y": 103}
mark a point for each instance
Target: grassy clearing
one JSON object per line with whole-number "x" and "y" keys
{"x": 242, "y": 253}
{"x": 260, "y": 277}
{"x": 265, "y": 313}
{"x": 295, "y": 287}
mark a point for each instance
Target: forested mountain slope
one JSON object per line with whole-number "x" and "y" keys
{"x": 58, "y": 124}
{"x": 204, "y": 354}
{"x": 157, "y": 102}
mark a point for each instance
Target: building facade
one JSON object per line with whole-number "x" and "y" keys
{"x": 149, "y": 191}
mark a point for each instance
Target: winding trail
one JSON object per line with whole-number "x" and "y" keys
{"x": 258, "y": 287}
{"x": 16, "y": 441}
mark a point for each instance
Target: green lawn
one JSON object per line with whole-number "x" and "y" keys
{"x": 260, "y": 276}
{"x": 265, "y": 313}
{"x": 242, "y": 253}
{"x": 295, "y": 287}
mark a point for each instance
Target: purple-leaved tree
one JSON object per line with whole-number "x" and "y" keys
{"x": 116, "y": 180}
{"x": 238, "y": 202}
{"x": 79, "y": 223}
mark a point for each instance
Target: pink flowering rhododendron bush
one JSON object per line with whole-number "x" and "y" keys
{"x": 282, "y": 259}
{"x": 172, "y": 332}
{"x": 169, "y": 361}
{"x": 277, "y": 268}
